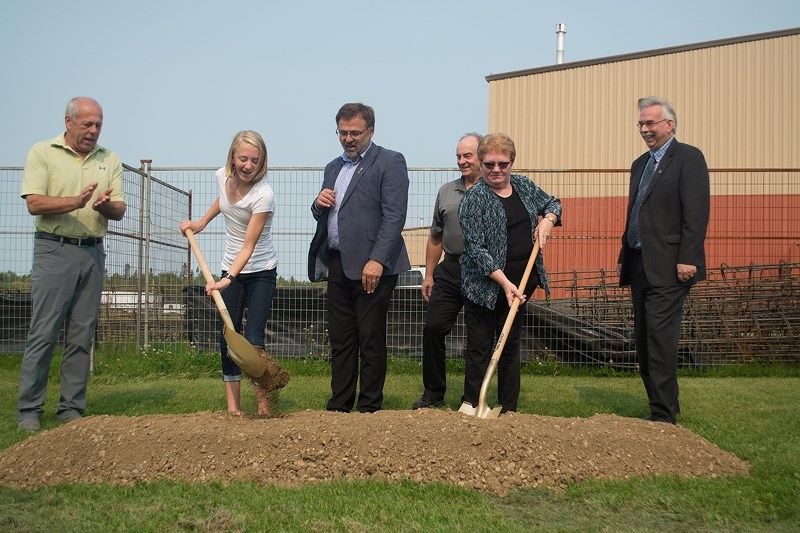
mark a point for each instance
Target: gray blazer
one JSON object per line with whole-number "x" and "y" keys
{"x": 674, "y": 216}
{"x": 372, "y": 215}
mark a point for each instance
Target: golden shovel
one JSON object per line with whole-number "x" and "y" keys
{"x": 483, "y": 410}
{"x": 240, "y": 350}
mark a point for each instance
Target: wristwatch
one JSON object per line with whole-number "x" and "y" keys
{"x": 230, "y": 277}
{"x": 553, "y": 219}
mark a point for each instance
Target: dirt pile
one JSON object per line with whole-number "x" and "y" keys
{"x": 497, "y": 456}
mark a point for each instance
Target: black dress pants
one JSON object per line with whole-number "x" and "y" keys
{"x": 657, "y": 313}
{"x": 445, "y": 303}
{"x": 483, "y": 327}
{"x": 357, "y": 330}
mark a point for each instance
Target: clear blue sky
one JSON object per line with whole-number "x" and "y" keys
{"x": 178, "y": 78}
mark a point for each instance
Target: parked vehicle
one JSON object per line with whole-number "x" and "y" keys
{"x": 411, "y": 278}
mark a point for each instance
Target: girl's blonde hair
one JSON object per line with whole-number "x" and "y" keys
{"x": 253, "y": 138}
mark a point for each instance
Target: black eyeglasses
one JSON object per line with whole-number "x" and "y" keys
{"x": 649, "y": 123}
{"x": 343, "y": 134}
{"x": 501, "y": 164}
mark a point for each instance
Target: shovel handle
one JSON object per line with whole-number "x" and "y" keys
{"x": 512, "y": 313}
{"x": 223, "y": 309}
{"x": 239, "y": 349}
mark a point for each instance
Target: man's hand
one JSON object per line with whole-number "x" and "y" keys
{"x": 40, "y": 204}
{"x": 371, "y": 275}
{"x": 112, "y": 210}
{"x": 686, "y": 272}
{"x": 102, "y": 200}
{"x": 86, "y": 194}
{"x": 326, "y": 198}
{"x": 427, "y": 287}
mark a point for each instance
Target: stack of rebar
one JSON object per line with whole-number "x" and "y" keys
{"x": 739, "y": 315}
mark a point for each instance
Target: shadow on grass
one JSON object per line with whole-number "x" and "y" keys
{"x": 603, "y": 400}
{"x": 127, "y": 400}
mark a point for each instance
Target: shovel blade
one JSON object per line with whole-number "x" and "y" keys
{"x": 482, "y": 411}
{"x": 243, "y": 353}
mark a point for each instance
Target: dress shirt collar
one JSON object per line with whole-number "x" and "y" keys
{"x": 659, "y": 153}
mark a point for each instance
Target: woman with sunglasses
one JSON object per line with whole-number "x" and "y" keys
{"x": 501, "y": 217}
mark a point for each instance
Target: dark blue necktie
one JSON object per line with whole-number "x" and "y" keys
{"x": 633, "y": 227}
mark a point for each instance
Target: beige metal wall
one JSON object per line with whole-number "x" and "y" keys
{"x": 416, "y": 241}
{"x": 737, "y": 102}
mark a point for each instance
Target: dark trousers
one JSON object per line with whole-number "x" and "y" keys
{"x": 445, "y": 303}
{"x": 483, "y": 327}
{"x": 657, "y": 313}
{"x": 357, "y": 326}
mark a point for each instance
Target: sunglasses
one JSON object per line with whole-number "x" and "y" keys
{"x": 501, "y": 164}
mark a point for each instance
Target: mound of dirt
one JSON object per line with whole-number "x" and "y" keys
{"x": 497, "y": 456}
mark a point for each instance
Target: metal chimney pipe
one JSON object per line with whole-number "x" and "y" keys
{"x": 561, "y": 30}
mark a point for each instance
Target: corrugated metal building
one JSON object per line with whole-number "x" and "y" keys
{"x": 736, "y": 99}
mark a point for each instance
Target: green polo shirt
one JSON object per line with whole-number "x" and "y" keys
{"x": 55, "y": 169}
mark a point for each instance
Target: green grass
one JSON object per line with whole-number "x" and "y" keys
{"x": 752, "y": 412}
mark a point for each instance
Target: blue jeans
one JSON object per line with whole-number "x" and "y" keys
{"x": 254, "y": 292}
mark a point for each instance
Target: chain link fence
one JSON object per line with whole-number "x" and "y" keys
{"x": 747, "y": 312}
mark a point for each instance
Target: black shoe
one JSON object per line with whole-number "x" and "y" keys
{"x": 426, "y": 401}
{"x": 655, "y": 417}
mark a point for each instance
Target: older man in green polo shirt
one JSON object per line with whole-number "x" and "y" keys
{"x": 73, "y": 187}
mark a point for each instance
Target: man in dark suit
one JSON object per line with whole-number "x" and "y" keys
{"x": 662, "y": 252}
{"x": 358, "y": 247}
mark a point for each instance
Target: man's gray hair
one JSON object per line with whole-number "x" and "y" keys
{"x": 477, "y": 136}
{"x": 72, "y": 106}
{"x": 669, "y": 113}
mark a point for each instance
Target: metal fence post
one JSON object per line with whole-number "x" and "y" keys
{"x": 146, "y": 212}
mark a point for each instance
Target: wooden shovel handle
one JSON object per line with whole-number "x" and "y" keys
{"x": 501, "y": 340}
{"x": 223, "y": 309}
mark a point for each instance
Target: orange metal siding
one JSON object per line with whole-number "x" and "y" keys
{"x": 590, "y": 238}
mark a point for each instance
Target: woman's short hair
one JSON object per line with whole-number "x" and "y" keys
{"x": 497, "y": 142}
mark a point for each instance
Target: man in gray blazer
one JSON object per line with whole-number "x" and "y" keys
{"x": 662, "y": 252}
{"x": 358, "y": 248}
